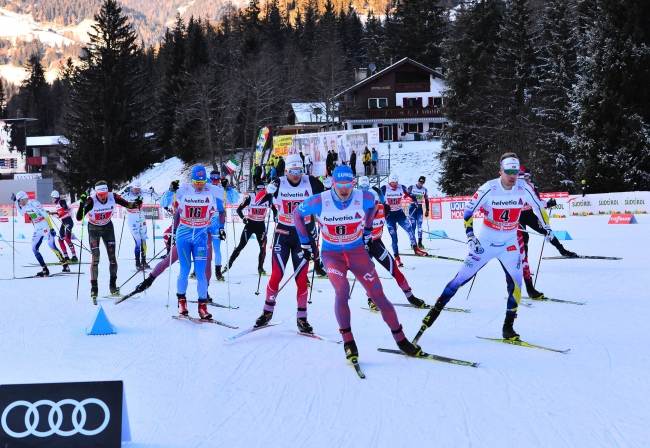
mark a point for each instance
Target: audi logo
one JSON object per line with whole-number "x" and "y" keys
{"x": 55, "y": 418}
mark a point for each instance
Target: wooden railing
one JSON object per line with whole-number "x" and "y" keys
{"x": 399, "y": 112}
{"x": 413, "y": 87}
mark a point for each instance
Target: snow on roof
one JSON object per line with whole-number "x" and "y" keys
{"x": 50, "y": 140}
{"x": 312, "y": 112}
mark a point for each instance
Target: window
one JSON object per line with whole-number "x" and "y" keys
{"x": 377, "y": 103}
{"x": 413, "y": 127}
{"x": 356, "y": 126}
{"x": 413, "y": 102}
{"x": 318, "y": 111}
{"x": 388, "y": 133}
{"x": 437, "y": 102}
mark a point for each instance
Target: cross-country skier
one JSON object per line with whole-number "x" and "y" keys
{"x": 138, "y": 225}
{"x": 502, "y": 200}
{"x": 287, "y": 192}
{"x": 379, "y": 252}
{"x": 65, "y": 231}
{"x": 346, "y": 216}
{"x": 393, "y": 194}
{"x": 415, "y": 209}
{"x": 43, "y": 228}
{"x": 99, "y": 208}
{"x": 254, "y": 224}
{"x": 217, "y": 227}
{"x": 197, "y": 203}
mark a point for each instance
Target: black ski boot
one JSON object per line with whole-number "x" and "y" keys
{"x": 218, "y": 274}
{"x": 144, "y": 262}
{"x": 318, "y": 268}
{"x": 192, "y": 275}
{"x": 94, "y": 291}
{"x": 74, "y": 259}
{"x": 264, "y": 319}
{"x": 432, "y": 315}
{"x": 351, "y": 350}
{"x": 568, "y": 253}
{"x": 409, "y": 348}
{"x": 532, "y": 292}
{"x": 509, "y": 332}
{"x": 145, "y": 284}
{"x": 66, "y": 268}
{"x": 138, "y": 266}
{"x": 66, "y": 259}
{"x": 420, "y": 245}
{"x": 304, "y": 326}
{"x": 44, "y": 273}
{"x": 414, "y": 300}
{"x": 372, "y": 305}
{"x": 113, "y": 287}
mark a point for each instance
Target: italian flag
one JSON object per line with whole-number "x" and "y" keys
{"x": 231, "y": 166}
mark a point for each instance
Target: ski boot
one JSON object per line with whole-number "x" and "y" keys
{"x": 66, "y": 268}
{"x": 66, "y": 259}
{"x": 192, "y": 275}
{"x": 264, "y": 319}
{"x": 419, "y": 252}
{"x": 203, "y": 310}
{"x": 138, "y": 266}
{"x": 408, "y": 347}
{"x": 372, "y": 305}
{"x": 568, "y": 253}
{"x": 94, "y": 291}
{"x": 432, "y": 315}
{"x": 304, "y": 326}
{"x": 351, "y": 350}
{"x": 145, "y": 284}
{"x": 318, "y": 268}
{"x": 398, "y": 261}
{"x": 420, "y": 245}
{"x": 261, "y": 271}
{"x": 144, "y": 263}
{"x": 182, "y": 304}
{"x": 44, "y": 273}
{"x": 113, "y": 287}
{"x": 509, "y": 332}
{"x": 419, "y": 303}
{"x": 532, "y": 292}
{"x": 218, "y": 274}
{"x": 74, "y": 259}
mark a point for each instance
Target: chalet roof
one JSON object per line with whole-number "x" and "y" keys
{"x": 304, "y": 112}
{"x": 388, "y": 69}
{"x": 50, "y": 140}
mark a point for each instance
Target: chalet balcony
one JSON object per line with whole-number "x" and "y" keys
{"x": 402, "y": 112}
{"x": 412, "y": 87}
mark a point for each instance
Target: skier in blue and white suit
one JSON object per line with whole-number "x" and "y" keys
{"x": 217, "y": 230}
{"x": 197, "y": 203}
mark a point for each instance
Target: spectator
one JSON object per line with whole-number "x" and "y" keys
{"x": 302, "y": 156}
{"x": 373, "y": 161}
{"x": 366, "y": 161}
{"x": 274, "y": 173}
{"x": 257, "y": 174}
{"x": 353, "y": 163}
{"x": 329, "y": 162}
{"x": 307, "y": 164}
{"x": 280, "y": 167}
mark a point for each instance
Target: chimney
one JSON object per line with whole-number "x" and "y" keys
{"x": 360, "y": 74}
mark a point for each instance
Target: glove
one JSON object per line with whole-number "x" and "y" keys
{"x": 307, "y": 252}
{"x": 426, "y": 214}
{"x": 474, "y": 244}
{"x": 551, "y": 203}
{"x": 549, "y": 233}
{"x": 367, "y": 238}
{"x": 245, "y": 221}
{"x": 13, "y": 197}
{"x": 275, "y": 219}
{"x": 224, "y": 183}
{"x": 83, "y": 197}
{"x": 138, "y": 201}
{"x": 53, "y": 232}
{"x": 272, "y": 188}
{"x": 222, "y": 234}
{"x": 174, "y": 185}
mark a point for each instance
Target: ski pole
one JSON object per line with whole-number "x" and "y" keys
{"x": 539, "y": 263}
{"x": 121, "y": 234}
{"x": 8, "y": 243}
{"x": 171, "y": 247}
{"x": 136, "y": 272}
{"x": 13, "y": 240}
{"x": 225, "y": 210}
{"x": 83, "y": 216}
{"x": 470, "y": 287}
{"x": 143, "y": 246}
{"x": 311, "y": 286}
{"x": 263, "y": 245}
{"x": 300, "y": 266}
{"x": 352, "y": 289}
{"x": 81, "y": 244}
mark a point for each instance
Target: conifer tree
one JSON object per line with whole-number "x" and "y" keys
{"x": 3, "y": 99}
{"x": 107, "y": 112}
{"x": 36, "y": 97}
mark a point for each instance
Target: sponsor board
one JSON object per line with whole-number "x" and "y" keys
{"x": 622, "y": 219}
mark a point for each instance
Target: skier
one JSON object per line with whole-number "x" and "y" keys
{"x": 287, "y": 193}
{"x": 138, "y": 225}
{"x": 503, "y": 200}
{"x": 65, "y": 231}
{"x": 42, "y": 228}
{"x": 254, "y": 224}
{"x": 415, "y": 209}
{"x": 346, "y": 216}
{"x": 393, "y": 194}
{"x": 99, "y": 208}
{"x": 217, "y": 229}
{"x": 379, "y": 252}
{"x": 197, "y": 202}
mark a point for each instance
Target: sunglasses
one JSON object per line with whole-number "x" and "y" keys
{"x": 295, "y": 172}
{"x": 198, "y": 182}
{"x": 511, "y": 172}
{"x": 215, "y": 176}
{"x": 344, "y": 184}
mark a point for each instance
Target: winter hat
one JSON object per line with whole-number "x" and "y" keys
{"x": 393, "y": 178}
{"x": 342, "y": 173}
{"x": 510, "y": 163}
{"x": 136, "y": 184}
{"x": 21, "y": 195}
{"x": 422, "y": 179}
{"x": 293, "y": 162}
{"x": 55, "y": 194}
{"x": 198, "y": 174}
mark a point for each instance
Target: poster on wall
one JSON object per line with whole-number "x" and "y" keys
{"x": 282, "y": 145}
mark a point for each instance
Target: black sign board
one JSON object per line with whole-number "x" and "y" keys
{"x": 151, "y": 210}
{"x": 66, "y": 415}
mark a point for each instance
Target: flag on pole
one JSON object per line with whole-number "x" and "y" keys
{"x": 231, "y": 166}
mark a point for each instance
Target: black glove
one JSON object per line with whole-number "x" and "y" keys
{"x": 551, "y": 203}
{"x": 53, "y": 232}
{"x": 13, "y": 197}
{"x": 275, "y": 218}
{"x": 222, "y": 234}
{"x": 367, "y": 238}
{"x": 307, "y": 252}
{"x": 138, "y": 201}
{"x": 426, "y": 214}
{"x": 224, "y": 182}
{"x": 174, "y": 185}
{"x": 245, "y": 221}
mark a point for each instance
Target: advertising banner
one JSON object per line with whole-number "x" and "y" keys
{"x": 282, "y": 145}
{"x": 634, "y": 202}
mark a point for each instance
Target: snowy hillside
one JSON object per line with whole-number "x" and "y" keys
{"x": 185, "y": 387}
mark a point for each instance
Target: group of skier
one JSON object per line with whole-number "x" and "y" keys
{"x": 350, "y": 221}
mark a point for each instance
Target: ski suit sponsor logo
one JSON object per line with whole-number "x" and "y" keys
{"x": 504, "y": 203}
{"x": 338, "y": 218}
{"x": 335, "y": 272}
{"x": 469, "y": 264}
{"x": 608, "y": 202}
{"x": 293, "y": 195}
{"x": 511, "y": 248}
{"x": 196, "y": 201}
{"x": 497, "y": 245}
{"x": 368, "y": 276}
{"x": 457, "y": 210}
{"x": 474, "y": 257}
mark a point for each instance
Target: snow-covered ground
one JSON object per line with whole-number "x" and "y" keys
{"x": 186, "y": 387}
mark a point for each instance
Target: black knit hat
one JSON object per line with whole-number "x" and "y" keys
{"x": 422, "y": 179}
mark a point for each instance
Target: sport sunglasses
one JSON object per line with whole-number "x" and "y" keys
{"x": 295, "y": 171}
{"x": 344, "y": 184}
{"x": 511, "y": 172}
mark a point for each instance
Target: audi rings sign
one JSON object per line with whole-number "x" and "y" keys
{"x": 62, "y": 415}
